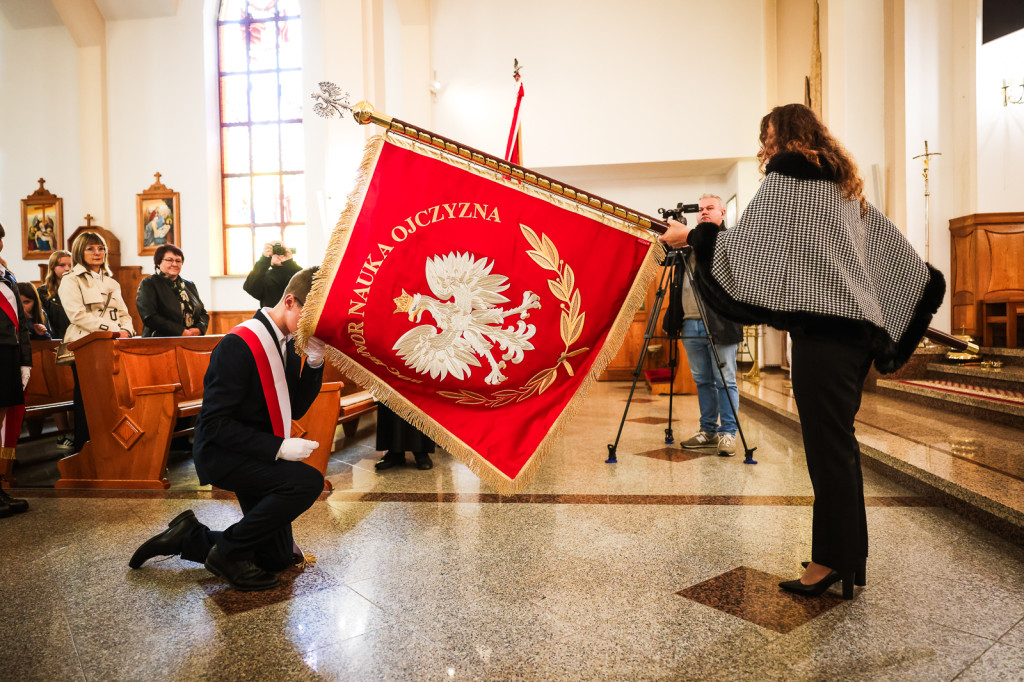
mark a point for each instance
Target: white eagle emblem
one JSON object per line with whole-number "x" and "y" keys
{"x": 468, "y": 325}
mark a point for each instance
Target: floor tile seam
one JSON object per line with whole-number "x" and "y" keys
{"x": 74, "y": 644}
{"x": 976, "y": 659}
{"x": 632, "y": 500}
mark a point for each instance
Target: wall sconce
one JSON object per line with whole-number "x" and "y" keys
{"x": 1006, "y": 94}
{"x": 434, "y": 85}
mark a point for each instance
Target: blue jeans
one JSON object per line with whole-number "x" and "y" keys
{"x": 712, "y": 394}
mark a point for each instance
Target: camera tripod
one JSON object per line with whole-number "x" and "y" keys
{"x": 672, "y": 258}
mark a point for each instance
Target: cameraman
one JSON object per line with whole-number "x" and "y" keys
{"x": 271, "y": 274}
{"x": 718, "y": 423}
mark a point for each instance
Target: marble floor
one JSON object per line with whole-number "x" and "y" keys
{"x": 661, "y": 566}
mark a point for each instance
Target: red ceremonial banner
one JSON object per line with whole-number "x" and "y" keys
{"x": 477, "y": 308}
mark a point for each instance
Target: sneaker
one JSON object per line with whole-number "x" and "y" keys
{"x": 701, "y": 439}
{"x": 64, "y": 443}
{"x": 726, "y": 445}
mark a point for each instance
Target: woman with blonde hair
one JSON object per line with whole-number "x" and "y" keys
{"x": 92, "y": 300}
{"x": 811, "y": 256}
{"x": 58, "y": 266}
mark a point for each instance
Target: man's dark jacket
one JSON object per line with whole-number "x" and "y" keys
{"x": 724, "y": 332}
{"x": 267, "y": 282}
{"x": 234, "y": 423}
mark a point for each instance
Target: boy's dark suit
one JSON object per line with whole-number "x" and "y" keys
{"x": 235, "y": 449}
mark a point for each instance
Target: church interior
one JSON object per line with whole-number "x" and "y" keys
{"x": 626, "y": 556}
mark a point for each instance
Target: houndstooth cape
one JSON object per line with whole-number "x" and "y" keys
{"x": 803, "y": 257}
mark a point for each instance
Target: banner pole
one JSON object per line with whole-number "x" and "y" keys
{"x": 330, "y": 102}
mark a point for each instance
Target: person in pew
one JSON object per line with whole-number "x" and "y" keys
{"x": 255, "y": 385}
{"x": 15, "y": 370}
{"x": 38, "y": 328}
{"x": 812, "y": 257}
{"x": 58, "y": 266}
{"x": 169, "y": 304}
{"x": 92, "y": 299}
{"x": 57, "y": 320}
{"x": 395, "y": 437}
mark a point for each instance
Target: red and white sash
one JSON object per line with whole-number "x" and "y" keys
{"x": 270, "y": 364}
{"x": 9, "y": 304}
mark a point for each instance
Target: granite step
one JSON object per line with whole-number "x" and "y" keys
{"x": 965, "y": 462}
{"x": 1009, "y": 377}
{"x": 1001, "y": 405}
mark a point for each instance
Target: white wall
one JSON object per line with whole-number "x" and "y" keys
{"x": 1000, "y": 128}
{"x": 157, "y": 123}
{"x": 930, "y": 116}
{"x": 39, "y": 133}
{"x": 853, "y": 72}
{"x": 606, "y": 82}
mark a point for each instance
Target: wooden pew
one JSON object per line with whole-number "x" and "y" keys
{"x": 136, "y": 393}
{"x": 51, "y": 387}
{"x": 355, "y": 402}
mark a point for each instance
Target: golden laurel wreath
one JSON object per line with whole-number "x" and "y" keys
{"x": 544, "y": 254}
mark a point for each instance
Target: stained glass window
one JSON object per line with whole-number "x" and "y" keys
{"x": 262, "y": 159}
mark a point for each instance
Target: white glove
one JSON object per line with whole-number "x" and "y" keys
{"x": 315, "y": 349}
{"x": 296, "y": 449}
{"x": 26, "y": 372}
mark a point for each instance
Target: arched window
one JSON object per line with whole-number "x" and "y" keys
{"x": 262, "y": 158}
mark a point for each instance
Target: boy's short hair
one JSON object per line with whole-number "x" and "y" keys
{"x": 300, "y": 284}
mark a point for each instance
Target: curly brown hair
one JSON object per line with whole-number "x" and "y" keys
{"x": 796, "y": 128}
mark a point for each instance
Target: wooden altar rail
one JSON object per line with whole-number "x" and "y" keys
{"x": 137, "y": 393}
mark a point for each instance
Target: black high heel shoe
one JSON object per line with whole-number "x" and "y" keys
{"x": 859, "y": 578}
{"x": 818, "y": 588}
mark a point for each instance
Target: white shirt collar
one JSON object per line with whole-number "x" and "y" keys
{"x": 282, "y": 338}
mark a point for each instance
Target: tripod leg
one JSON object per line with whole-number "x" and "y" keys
{"x": 652, "y": 323}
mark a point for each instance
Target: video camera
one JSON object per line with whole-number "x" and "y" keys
{"x": 677, "y": 212}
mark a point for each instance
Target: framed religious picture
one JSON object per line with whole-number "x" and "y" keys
{"x": 42, "y": 224}
{"x": 158, "y": 212}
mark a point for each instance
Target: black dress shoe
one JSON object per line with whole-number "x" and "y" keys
{"x": 423, "y": 461}
{"x": 167, "y": 543}
{"x": 818, "y": 588}
{"x": 859, "y": 578}
{"x": 16, "y": 506}
{"x": 244, "y": 576}
{"x": 390, "y": 459}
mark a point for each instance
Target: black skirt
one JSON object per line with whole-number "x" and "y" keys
{"x": 395, "y": 434}
{"x": 11, "y": 392}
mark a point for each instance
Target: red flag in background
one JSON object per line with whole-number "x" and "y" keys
{"x": 478, "y": 308}
{"x": 514, "y": 148}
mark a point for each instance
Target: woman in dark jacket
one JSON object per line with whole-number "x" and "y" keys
{"x": 168, "y": 304}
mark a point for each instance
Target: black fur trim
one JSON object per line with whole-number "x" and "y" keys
{"x": 889, "y": 356}
{"x": 931, "y": 298}
{"x": 702, "y": 238}
{"x": 796, "y": 165}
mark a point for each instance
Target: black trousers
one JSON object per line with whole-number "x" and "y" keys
{"x": 828, "y": 380}
{"x": 271, "y": 496}
{"x": 81, "y": 426}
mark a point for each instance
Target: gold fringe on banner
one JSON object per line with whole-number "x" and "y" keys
{"x": 383, "y": 392}
{"x": 6, "y": 453}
